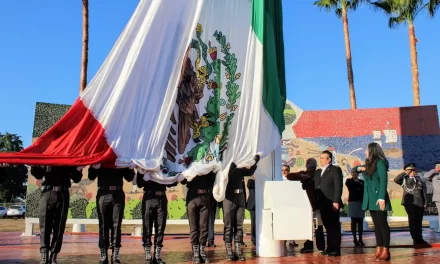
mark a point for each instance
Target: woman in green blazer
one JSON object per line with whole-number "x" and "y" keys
{"x": 376, "y": 198}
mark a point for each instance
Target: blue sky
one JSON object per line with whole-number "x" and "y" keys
{"x": 40, "y": 55}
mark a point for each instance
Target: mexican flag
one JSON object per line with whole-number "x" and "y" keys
{"x": 189, "y": 87}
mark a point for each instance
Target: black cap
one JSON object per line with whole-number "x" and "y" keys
{"x": 410, "y": 166}
{"x": 437, "y": 163}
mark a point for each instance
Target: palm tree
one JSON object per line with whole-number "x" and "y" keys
{"x": 405, "y": 11}
{"x": 85, "y": 46}
{"x": 341, "y": 8}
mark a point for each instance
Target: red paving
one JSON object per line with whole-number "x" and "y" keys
{"x": 84, "y": 249}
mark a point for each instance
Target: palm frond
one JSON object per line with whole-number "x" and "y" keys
{"x": 384, "y": 5}
{"x": 395, "y": 21}
{"x": 433, "y": 6}
{"x": 338, "y": 12}
{"x": 327, "y": 5}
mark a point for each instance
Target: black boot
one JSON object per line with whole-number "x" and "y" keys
{"x": 229, "y": 253}
{"x": 239, "y": 252}
{"x": 104, "y": 258}
{"x": 115, "y": 256}
{"x": 196, "y": 255}
{"x": 203, "y": 256}
{"x": 53, "y": 258}
{"x": 44, "y": 258}
{"x": 157, "y": 256}
{"x": 148, "y": 256}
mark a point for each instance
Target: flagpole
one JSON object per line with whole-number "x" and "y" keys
{"x": 269, "y": 169}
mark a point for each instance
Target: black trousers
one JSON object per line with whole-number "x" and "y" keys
{"x": 198, "y": 215}
{"x": 415, "y": 218}
{"x": 253, "y": 227}
{"x": 54, "y": 206}
{"x": 319, "y": 238}
{"x": 110, "y": 207}
{"x": 330, "y": 219}
{"x": 154, "y": 213}
{"x": 233, "y": 217}
{"x": 381, "y": 228}
{"x": 211, "y": 222}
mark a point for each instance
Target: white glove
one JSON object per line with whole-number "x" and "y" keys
{"x": 180, "y": 178}
{"x": 141, "y": 171}
{"x": 147, "y": 177}
{"x": 80, "y": 168}
{"x": 96, "y": 166}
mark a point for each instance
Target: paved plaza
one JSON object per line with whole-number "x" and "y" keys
{"x": 84, "y": 249}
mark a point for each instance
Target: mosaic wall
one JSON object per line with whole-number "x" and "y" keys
{"x": 409, "y": 134}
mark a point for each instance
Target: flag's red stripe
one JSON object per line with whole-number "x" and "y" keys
{"x": 76, "y": 139}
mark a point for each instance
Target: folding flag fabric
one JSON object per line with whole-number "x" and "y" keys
{"x": 189, "y": 87}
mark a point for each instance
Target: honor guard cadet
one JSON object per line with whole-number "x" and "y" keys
{"x": 234, "y": 209}
{"x": 54, "y": 206}
{"x": 198, "y": 203}
{"x": 414, "y": 200}
{"x": 154, "y": 212}
{"x": 110, "y": 203}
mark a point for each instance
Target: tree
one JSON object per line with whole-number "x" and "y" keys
{"x": 85, "y": 45}
{"x": 406, "y": 11}
{"x": 341, "y": 8}
{"x": 12, "y": 177}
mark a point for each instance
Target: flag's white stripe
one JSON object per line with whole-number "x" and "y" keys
{"x": 137, "y": 84}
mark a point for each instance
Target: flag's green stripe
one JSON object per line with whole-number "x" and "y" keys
{"x": 267, "y": 23}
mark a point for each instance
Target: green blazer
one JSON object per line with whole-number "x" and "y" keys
{"x": 375, "y": 188}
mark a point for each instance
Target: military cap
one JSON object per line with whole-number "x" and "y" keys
{"x": 410, "y": 166}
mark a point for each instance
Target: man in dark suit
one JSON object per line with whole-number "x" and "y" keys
{"x": 328, "y": 186}
{"x": 251, "y": 207}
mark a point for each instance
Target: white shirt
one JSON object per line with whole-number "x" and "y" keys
{"x": 323, "y": 169}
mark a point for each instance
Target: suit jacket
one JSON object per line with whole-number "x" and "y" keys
{"x": 328, "y": 187}
{"x": 375, "y": 188}
{"x": 251, "y": 199}
{"x": 434, "y": 177}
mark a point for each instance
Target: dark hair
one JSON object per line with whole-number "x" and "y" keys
{"x": 329, "y": 154}
{"x": 375, "y": 153}
{"x": 287, "y": 166}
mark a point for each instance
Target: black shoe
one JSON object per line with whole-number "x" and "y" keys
{"x": 211, "y": 244}
{"x": 203, "y": 257}
{"x": 322, "y": 252}
{"x": 115, "y": 256}
{"x": 103, "y": 259}
{"x": 53, "y": 258}
{"x": 361, "y": 243}
{"x": 421, "y": 242}
{"x": 334, "y": 254}
{"x": 44, "y": 258}
{"x": 229, "y": 253}
{"x": 148, "y": 255}
{"x": 196, "y": 254}
{"x": 356, "y": 243}
{"x": 306, "y": 250}
{"x": 239, "y": 252}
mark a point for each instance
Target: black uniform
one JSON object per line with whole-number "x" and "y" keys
{"x": 251, "y": 207}
{"x": 198, "y": 204}
{"x": 54, "y": 206}
{"x": 110, "y": 201}
{"x": 234, "y": 208}
{"x": 414, "y": 200}
{"x": 154, "y": 212}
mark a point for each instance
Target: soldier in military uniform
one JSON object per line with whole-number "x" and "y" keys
{"x": 110, "y": 203}
{"x": 198, "y": 203}
{"x": 54, "y": 206}
{"x": 234, "y": 209}
{"x": 434, "y": 177}
{"x": 154, "y": 212}
{"x": 414, "y": 200}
